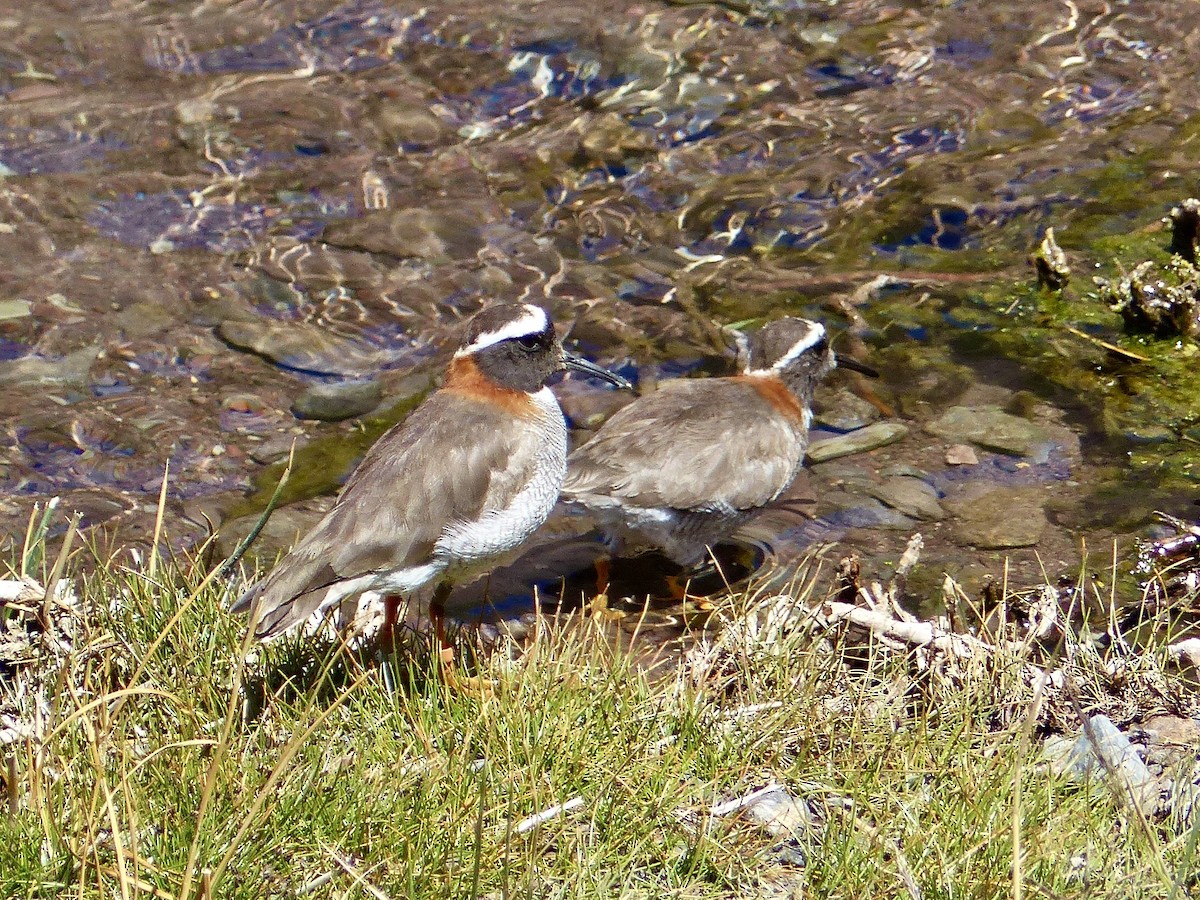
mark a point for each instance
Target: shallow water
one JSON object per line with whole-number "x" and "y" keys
{"x": 208, "y": 209}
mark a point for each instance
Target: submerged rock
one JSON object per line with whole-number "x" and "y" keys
{"x": 302, "y": 345}
{"x": 338, "y": 400}
{"x": 961, "y": 455}
{"x": 989, "y": 427}
{"x": 1000, "y": 519}
{"x": 910, "y": 496}
{"x": 846, "y": 411}
{"x": 31, "y": 370}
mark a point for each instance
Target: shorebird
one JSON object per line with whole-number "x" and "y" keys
{"x": 682, "y": 468}
{"x": 446, "y": 494}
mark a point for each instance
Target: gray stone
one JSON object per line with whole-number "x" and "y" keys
{"x": 1101, "y": 748}
{"x": 781, "y": 814}
{"x": 73, "y": 368}
{"x": 989, "y": 427}
{"x": 910, "y": 496}
{"x": 451, "y": 232}
{"x": 302, "y": 345}
{"x": 845, "y": 475}
{"x": 338, "y": 400}
{"x": 999, "y": 519}
{"x": 845, "y": 411}
{"x": 878, "y": 435}
{"x": 275, "y": 448}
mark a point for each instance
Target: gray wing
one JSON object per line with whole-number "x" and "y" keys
{"x": 450, "y": 460}
{"x": 688, "y": 446}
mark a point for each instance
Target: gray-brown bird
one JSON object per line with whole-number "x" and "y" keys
{"x": 447, "y": 493}
{"x": 680, "y": 469}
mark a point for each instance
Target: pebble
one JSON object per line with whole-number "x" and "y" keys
{"x": 961, "y": 455}
{"x": 870, "y": 438}
{"x": 910, "y": 496}
{"x": 1000, "y": 519}
{"x": 989, "y": 427}
{"x": 335, "y": 401}
{"x": 452, "y": 232}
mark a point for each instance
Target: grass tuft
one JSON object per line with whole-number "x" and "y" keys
{"x": 152, "y": 761}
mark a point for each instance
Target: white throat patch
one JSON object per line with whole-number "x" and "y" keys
{"x": 534, "y": 321}
{"x": 815, "y": 335}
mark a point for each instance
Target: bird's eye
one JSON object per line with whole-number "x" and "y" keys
{"x": 530, "y": 341}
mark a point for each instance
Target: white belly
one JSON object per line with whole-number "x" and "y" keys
{"x": 473, "y": 546}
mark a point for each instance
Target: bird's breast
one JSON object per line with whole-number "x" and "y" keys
{"x": 522, "y": 497}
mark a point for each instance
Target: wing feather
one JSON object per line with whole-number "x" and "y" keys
{"x": 448, "y": 462}
{"x": 657, "y": 452}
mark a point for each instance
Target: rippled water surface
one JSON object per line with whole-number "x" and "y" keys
{"x": 210, "y": 212}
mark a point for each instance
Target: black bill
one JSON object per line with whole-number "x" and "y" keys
{"x": 846, "y": 362}
{"x": 579, "y": 364}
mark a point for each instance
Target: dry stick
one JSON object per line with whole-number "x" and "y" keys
{"x": 10, "y": 774}
{"x": 222, "y": 748}
{"x": 1105, "y": 345}
{"x": 35, "y": 532}
{"x": 214, "y": 764}
{"x": 1031, "y": 714}
{"x": 360, "y": 878}
{"x": 227, "y": 567}
{"x": 110, "y": 806}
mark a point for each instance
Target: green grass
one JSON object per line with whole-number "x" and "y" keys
{"x": 164, "y": 767}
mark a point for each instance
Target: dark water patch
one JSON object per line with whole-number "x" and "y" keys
{"x": 49, "y": 463}
{"x": 844, "y": 76}
{"x": 51, "y": 151}
{"x": 537, "y": 73}
{"x": 10, "y": 350}
{"x": 965, "y": 53}
{"x": 945, "y": 229}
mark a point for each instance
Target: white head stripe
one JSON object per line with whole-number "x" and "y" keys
{"x": 534, "y": 321}
{"x": 810, "y": 340}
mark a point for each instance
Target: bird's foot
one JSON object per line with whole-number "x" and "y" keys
{"x": 599, "y": 610}
{"x": 677, "y": 586}
{"x": 478, "y": 686}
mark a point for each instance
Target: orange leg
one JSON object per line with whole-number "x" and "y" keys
{"x": 437, "y": 615}
{"x": 603, "y": 571}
